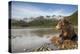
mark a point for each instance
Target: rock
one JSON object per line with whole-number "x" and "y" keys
{"x": 66, "y": 44}
{"x": 55, "y": 40}
{"x": 69, "y": 44}
{"x": 43, "y": 48}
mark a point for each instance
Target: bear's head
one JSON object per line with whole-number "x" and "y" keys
{"x": 63, "y": 23}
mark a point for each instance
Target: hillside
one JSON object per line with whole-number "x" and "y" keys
{"x": 74, "y": 18}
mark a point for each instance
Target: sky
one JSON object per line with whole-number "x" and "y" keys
{"x": 30, "y": 9}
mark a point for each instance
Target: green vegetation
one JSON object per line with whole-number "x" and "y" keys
{"x": 18, "y": 23}
{"x": 38, "y": 22}
{"x": 74, "y": 18}
{"x": 42, "y": 21}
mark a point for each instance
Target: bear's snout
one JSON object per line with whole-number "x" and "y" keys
{"x": 58, "y": 27}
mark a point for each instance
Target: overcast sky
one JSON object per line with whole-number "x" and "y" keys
{"x": 27, "y": 9}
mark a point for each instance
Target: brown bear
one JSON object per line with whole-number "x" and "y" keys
{"x": 67, "y": 30}
{"x": 68, "y": 38}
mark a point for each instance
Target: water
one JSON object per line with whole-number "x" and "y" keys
{"x": 31, "y": 38}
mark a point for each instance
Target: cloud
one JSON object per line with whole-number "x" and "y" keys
{"x": 34, "y": 11}
{"x": 27, "y": 12}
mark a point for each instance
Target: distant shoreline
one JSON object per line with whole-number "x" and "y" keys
{"x": 18, "y": 27}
